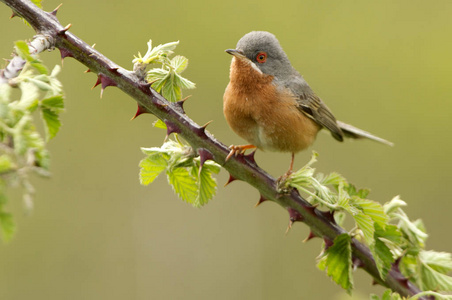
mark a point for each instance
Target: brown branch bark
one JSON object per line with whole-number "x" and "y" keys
{"x": 242, "y": 167}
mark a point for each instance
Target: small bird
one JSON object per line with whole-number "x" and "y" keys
{"x": 270, "y": 105}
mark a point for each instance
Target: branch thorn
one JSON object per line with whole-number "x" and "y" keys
{"x": 250, "y": 157}
{"x": 54, "y": 12}
{"x": 170, "y": 128}
{"x": 204, "y": 155}
{"x": 63, "y": 31}
{"x": 64, "y": 53}
{"x": 328, "y": 242}
{"x": 329, "y": 215}
{"x": 231, "y": 179}
{"x": 205, "y": 125}
{"x": 310, "y": 237}
{"x": 140, "y": 110}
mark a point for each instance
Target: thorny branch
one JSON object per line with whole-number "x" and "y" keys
{"x": 241, "y": 168}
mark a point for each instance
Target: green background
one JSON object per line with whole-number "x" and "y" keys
{"x": 95, "y": 233}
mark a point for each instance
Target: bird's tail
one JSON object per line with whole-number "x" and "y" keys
{"x": 356, "y": 133}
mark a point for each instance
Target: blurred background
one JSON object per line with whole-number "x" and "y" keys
{"x": 95, "y": 233}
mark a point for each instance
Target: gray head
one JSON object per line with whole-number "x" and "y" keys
{"x": 263, "y": 50}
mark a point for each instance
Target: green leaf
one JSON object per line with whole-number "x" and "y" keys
{"x": 438, "y": 261}
{"x": 184, "y": 82}
{"x": 37, "y": 3}
{"x": 52, "y": 122}
{"x": 23, "y": 51}
{"x": 41, "y": 68}
{"x": 171, "y": 91}
{"x": 339, "y": 262}
{"x": 151, "y": 167}
{"x": 207, "y": 184}
{"x": 29, "y": 96}
{"x": 184, "y": 185}
{"x": 321, "y": 264}
{"x": 383, "y": 257}
{"x": 372, "y": 209}
{"x": 333, "y": 179}
{"x": 413, "y": 231}
{"x": 7, "y": 226}
{"x": 179, "y": 63}
{"x": 366, "y": 225}
{"x": 159, "y": 124}
{"x": 156, "y": 54}
{"x": 41, "y": 83}
{"x": 54, "y": 102}
{"x": 158, "y": 76}
{"x": 392, "y": 206}
{"x": 433, "y": 280}
{"x": 381, "y": 251}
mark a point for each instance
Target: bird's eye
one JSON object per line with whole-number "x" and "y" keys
{"x": 261, "y": 57}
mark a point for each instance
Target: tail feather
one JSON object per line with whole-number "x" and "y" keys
{"x": 356, "y": 133}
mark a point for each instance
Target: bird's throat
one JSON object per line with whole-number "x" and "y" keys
{"x": 245, "y": 73}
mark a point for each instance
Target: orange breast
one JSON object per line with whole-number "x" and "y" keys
{"x": 263, "y": 114}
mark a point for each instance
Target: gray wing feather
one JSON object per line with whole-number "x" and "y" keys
{"x": 313, "y": 107}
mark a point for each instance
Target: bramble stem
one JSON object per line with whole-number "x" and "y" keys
{"x": 241, "y": 167}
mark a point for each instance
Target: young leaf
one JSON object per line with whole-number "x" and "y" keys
{"x": 183, "y": 184}
{"x": 54, "y": 102}
{"x": 333, "y": 179}
{"x": 439, "y": 261}
{"x": 392, "y": 206}
{"x": 151, "y": 167}
{"x": 383, "y": 257}
{"x": 159, "y": 124}
{"x": 390, "y": 233}
{"x": 23, "y": 51}
{"x": 207, "y": 184}
{"x": 29, "y": 96}
{"x": 184, "y": 82}
{"x": 414, "y": 231}
{"x": 170, "y": 90}
{"x": 372, "y": 209}
{"x": 366, "y": 225}
{"x": 434, "y": 280}
{"x": 52, "y": 122}
{"x": 339, "y": 262}
{"x": 179, "y": 63}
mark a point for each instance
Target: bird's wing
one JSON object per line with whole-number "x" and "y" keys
{"x": 313, "y": 107}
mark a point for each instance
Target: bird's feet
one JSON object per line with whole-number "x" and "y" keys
{"x": 239, "y": 149}
{"x": 281, "y": 181}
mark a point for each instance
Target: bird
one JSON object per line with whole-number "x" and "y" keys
{"x": 270, "y": 105}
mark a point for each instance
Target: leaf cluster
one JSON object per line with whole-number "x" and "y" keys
{"x": 190, "y": 180}
{"x": 386, "y": 229}
{"x": 22, "y": 147}
{"x": 167, "y": 80}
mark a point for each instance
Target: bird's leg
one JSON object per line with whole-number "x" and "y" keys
{"x": 281, "y": 181}
{"x": 290, "y": 171}
{"x": 239, "y": 149}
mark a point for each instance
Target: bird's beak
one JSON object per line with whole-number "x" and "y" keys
{"x": 237, "y": 53}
